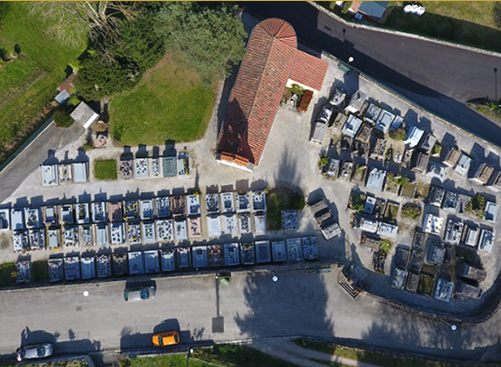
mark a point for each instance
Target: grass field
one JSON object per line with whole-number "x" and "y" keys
{"x": 169, "y": 103}
{"x": 7, "y": 274}
{"x": 105, "y": 169}
{"x": 223, "y": 356}
{"x": 278, "y": 200}
{"x": 40, "y": 271}
{"x": 376, "y": 358}
{"x": 29, "y": 82}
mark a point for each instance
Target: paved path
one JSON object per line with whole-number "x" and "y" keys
{"x": 286, "y": 349}
{"x": 439, "y": 77}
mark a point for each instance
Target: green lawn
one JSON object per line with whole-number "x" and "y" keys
{"x": 219, "y": 355}
{"x": 7, "y": 274}
{"x": 278, "y": 200}
{"x": 169, "y": 103}
{"x": 40, "y": 271}
{"x": 377, "y": 358}
{"x": 29, "y": 82}
{"x": 105, "y": 169}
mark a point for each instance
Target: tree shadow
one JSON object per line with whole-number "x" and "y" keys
{"x": 294, "y": 304}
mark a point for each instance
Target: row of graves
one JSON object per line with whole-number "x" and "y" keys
{"x": 176, "y": 259}
{"x": 376, "y": 218}
{"x": 154, "y": 167}
{"x": 64, "y": 173}
{"x": 437, "y": 269}
{"x": 233, "y": 213}
{"x": 472, "y": 232}
{"x": 370, "y": 131}
{"x": 145, "y": 221}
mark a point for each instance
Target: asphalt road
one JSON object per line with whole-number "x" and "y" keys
{"x": 438, "y": 77}
{"x": 252, "y": 306}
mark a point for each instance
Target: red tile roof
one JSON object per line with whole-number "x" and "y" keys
{"x": 309, "y": 70}
{"x": 255, "y": 97}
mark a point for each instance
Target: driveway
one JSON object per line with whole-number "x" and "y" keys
{"x": 438, "y": 77}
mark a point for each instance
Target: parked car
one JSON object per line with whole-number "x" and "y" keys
{"x": 34, "y": 351}
{"x": 165, "y": 339}
{"x": 139, "y": 294}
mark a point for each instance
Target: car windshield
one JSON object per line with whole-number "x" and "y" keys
{"x": 41, "y": 351}
{"x": 145, "y": 293}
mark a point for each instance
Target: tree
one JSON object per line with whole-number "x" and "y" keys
{"x": 62, "y": 118}
{"x": 100, "y": 19}
{"x": 137, "y": 44}
{"x": 17, "y": 49}
{"x": 101, "y": 77}
{"x": 209, "y": 37}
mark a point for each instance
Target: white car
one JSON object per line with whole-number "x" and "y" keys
{"x": 34, "y": 351}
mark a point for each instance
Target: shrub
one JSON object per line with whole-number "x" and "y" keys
{"x": 357, "y": 202}
{"x": 296, "y": 89}
{"x": 87, "y": 147}
{"x": 62, "y": 118}
{"x": 398, "y": 134}
{"x": 3, "y": 54}
{"x": 323, "y": 162}
{"x": 476, "y": 205}
{"x": 412, "y": 211}
{"x": 437, "y": 149}
{"x": 17, "y": 49}
{"x": 385, "y": 246}
{"x": 73, "y": 101}
{"x": 105, "y": 169}
{"x": 305, "y": 100}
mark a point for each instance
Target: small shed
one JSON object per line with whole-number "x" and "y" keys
{"x": 84, "y": 115}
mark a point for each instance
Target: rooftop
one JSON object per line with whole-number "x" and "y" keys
{"x": 84, "y": 115}
{"x": 271, "y": 59}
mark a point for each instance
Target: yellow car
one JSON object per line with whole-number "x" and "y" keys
{"x": 164, "y": 339}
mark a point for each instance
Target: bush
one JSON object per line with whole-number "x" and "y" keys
{"x": 385, "y": 246}
{"x": 437, "y": 149}
{"x": 73, "y": 101}
{"x": 40, "y": 271}
{"x": 398, "y": 134}
{"x": 305, "y": 100}
{"x": 17, "y": 49}
{"x": 3, "y": 54}
{"x": 412, "y": 211}
{"x": 8, "y": 274}
{"x": 323, "y": 162}
{"x": 62, "y": 118}
{"x": 105, "y": 169}
{"x": 476, "y": 205}
{"x": 87, "y": 147}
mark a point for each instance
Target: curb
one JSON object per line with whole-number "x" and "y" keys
{"x": 31, "y": 139}
{"x": 404, "y": 34}
{"x": 258, "y": 269}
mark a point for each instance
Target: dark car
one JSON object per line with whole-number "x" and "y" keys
{"x": 35, "y": 351}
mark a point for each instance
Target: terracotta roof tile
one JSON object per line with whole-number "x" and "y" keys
{"x": 255, "y": 97}
{"x": 309, "y": 70}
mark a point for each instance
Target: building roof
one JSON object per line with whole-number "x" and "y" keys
{"x": 309, "y": 70}
{"x": 373, "y": 9}
{"x": 84, "y": 115}
{"x": 262, "y": 78}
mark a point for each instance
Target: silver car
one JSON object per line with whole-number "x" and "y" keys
{"x": 34, "y": 351}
